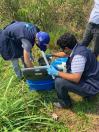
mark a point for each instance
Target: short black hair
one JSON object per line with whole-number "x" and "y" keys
{"x": 67, "y": 40}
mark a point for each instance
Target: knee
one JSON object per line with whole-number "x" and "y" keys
{"x": 59, "y": 82}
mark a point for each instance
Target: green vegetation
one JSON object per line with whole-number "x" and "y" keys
{"x": 55, "y": 16}
{"x": 24, "y": 111}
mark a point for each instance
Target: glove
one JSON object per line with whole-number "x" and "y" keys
{"x": 52, "y": 71}
{"x": 59, "y": 67}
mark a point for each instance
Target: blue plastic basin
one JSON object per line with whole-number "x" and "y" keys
{"x": 40, "y": 85}
{"x": 45, "y": 84}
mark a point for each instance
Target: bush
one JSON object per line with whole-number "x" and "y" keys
{"x": 52, "y": 16}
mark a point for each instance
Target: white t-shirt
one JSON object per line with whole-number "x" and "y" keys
{"x": 94, "y": 16}
{"x": 78, "y": 64}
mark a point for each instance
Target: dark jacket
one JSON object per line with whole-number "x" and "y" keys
{"x": 10, "y": 42}
{"x": 90, "y": 76}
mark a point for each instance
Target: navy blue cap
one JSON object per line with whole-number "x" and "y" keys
{"x": 43, "y": 40}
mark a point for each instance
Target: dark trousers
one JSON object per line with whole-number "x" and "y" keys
{"x": 64, "y": 86}
{"x": 16, "y": 67}
{"x": 92, "y": 32}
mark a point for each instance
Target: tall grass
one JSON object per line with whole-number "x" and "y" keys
{"x": 22, "y": 110}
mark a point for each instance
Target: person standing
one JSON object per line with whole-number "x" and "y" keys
{"x": 92, "y": 29}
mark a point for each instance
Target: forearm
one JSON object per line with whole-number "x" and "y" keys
{"x": 69, "y": 76}
{"x": 28, "y": 64}
{"x": 27, "y": 60}
{"x": 59, "y": 54}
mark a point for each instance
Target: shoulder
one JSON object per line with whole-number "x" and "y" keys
{"x": 78, "y": 61}
{"x": 79, "y": 58}
{"x": 26, "y": 44}
{"x": 78, "y": 64}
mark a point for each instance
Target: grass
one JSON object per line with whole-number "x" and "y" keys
{"x": 24, "y": 111}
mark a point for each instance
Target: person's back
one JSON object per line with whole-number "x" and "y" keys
{"x": 20, "y": 30}
{"x": 14, "y": 29}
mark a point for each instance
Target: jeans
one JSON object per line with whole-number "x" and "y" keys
{"x": 92, "y": 32}
{"x": 63, "y": 86}
{"x": 16, "y": 67}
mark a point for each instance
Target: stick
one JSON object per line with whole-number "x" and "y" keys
{"x": 46, "y": 61}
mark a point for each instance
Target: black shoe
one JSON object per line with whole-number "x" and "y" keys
{"x": 59, "y": 105}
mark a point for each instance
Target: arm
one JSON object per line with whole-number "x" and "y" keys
{"x": 77, "y": 68}
{"x": 27, "y": 46}
{"x": 27, "y": 60}
{"x": 75, "y": 77}
{"x": 59, "y": 54}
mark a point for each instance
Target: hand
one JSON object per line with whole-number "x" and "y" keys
{"x": 59, "y": 54}
{"x": 52, "y": 71}
{"x": 31, "y": 57}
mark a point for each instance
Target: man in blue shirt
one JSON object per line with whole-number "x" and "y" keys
{"x": 92, "y": 29}
{"x": 82, "y": 76}
{"x": 17, "y": 40}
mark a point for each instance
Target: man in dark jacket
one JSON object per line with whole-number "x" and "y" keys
{"x": 17, "y": 40}
{"x": 82, "y": 76}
